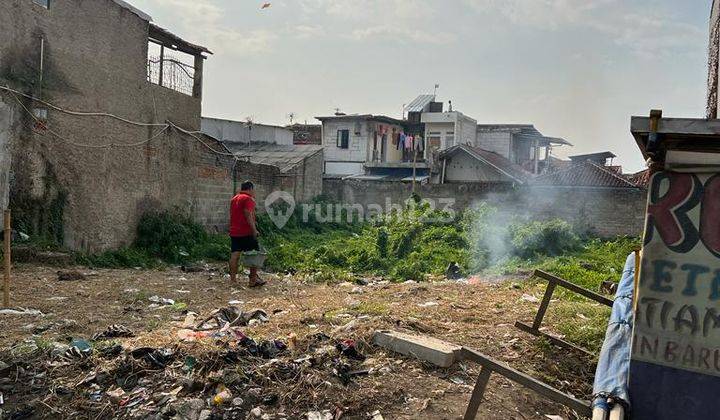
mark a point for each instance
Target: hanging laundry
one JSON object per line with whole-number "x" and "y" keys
{"x": 401, "y": 141}
{"x": 409, "y": 142}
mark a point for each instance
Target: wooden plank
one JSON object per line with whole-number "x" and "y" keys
{"x": 582, "y": 407}
{"x": 544, "y": 304}
{"x": 679, "y": 126}
{"x": 7, "y": 258}
{"x": 554, "y": 340}
{"x": 575, "y": 288}
{"x": 477, "y": 394}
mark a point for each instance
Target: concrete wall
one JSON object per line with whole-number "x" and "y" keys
{"x": 466, "y": 131}
{"x": 240, "y": 132}
{"x": 605, "y": 212}
{"x": 96, "y": 60}
{"x": 461, "y": 167}
{"x": 346, "y": 161}
{"x": 494, "y": 141}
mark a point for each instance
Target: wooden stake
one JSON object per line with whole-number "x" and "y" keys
{"x": 7, "y": 258}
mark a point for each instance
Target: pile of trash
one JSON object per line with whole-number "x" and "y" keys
{"x": 213, "y": 371}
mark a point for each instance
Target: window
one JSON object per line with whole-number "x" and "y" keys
{"x": 343, "y": 139}
{"x": 449, "y": 139}
{"x": 43, "y": 3}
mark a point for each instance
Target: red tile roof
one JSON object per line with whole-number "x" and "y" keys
{"x": 585, "y": 174}
{"x": 641, "y": 179}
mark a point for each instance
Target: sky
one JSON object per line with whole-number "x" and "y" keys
{"x": 576, "y": 69}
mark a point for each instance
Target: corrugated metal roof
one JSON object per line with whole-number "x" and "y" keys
{"x": 585, "y": 174}
{"x": 493, "y": 159}
{"x": 419, "y": 103}
{"x": 284, "y": 157}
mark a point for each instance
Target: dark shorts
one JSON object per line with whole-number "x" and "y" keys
{"x": 244, "y": 243}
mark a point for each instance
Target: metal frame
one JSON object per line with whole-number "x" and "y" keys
{"x": 490, "y": 365}
{"x": 553, "y": 282}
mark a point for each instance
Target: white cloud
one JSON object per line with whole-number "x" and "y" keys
{"x": 307, "y": 31}
{"x": 391, "y": 20}
{"x": 644, "y": 32}
{"x": 201, "y": 22}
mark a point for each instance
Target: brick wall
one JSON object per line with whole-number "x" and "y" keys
{"x": 96, "y": 60}
{"x": 606, "y": 212}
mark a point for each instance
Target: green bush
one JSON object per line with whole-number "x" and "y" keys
{"x": 543, "y": 238}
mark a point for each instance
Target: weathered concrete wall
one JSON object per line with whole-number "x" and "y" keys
{"x": 494, "y": 141}
{"x": 95, "y": 60}
{"x": 240, "y": 132}
{"x": 345, "y": 161}
{"x": 463, "y": 168}
{"x": 605, "y": 212}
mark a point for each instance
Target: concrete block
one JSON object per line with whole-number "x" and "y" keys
{"x": 438, "y": 352}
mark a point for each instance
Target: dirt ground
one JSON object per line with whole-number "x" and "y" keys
{"x": 480, "y": 316}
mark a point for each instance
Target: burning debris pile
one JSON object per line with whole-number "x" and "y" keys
{"x": 212, "y": 371}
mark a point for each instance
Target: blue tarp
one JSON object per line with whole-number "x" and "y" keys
{"x": 611, "y": 376}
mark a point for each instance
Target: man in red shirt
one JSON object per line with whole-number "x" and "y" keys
{"x": 243, "y": 230}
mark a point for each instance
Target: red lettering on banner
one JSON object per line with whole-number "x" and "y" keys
{"x": 668, "y": 214}
{"x": 709, "y": 215}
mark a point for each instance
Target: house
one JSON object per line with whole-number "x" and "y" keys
{"x": 356, "y": 143}
{"x": 444, "y": 130}
{"x": 522, "y": 144}
{"x": 296, "y": 169}
{"x": 306, "y": 133}
{"x": 98, "y": 113}
{"x": 465, "y": 163}
{"x": 229, "y": 131}
{"x": 267, "y": 156}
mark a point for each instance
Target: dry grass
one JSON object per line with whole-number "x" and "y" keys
{"x": 479, "y": 316}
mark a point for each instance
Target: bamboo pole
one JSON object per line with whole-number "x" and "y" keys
{"x": 7, "y": 258}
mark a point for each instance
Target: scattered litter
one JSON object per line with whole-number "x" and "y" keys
{"x": 57, "y": 298}
{"x": 453, "y": 271}
{"x": 529, "y": 298}
{"x": 349, "y": 349}
{"x": 320, "y": 415}
{"x": 181, "y": 291}
{"x": 161, "y": 301}
{"x": 457, "y": 380}
{"x": 222, "y": 396}
{"x": 428, "y": 304}
{"x": 356, "y": 290}
{"x": 375, "y": 415}
{"x": 21, "y": 311}
{"x": 235, "y": 302}
{"x": 113, "y": 331}
{"x": 131, "y": 290}
{"x": 554, "y": 417}
{"x": 70, "y": 276}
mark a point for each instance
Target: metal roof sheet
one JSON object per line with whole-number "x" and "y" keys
{"x": 419, "y": 103}
{"x": 284, "y": 157}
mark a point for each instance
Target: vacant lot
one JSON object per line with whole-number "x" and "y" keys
{"x": 37, "y": 383}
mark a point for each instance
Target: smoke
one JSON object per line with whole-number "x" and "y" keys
{"x": 492, "y": 219}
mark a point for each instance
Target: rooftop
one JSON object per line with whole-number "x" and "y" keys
{"x": 366, "y": 117}
{"x": 142, "y": 15}
{"x": 526, "y": 132}
{"x": 172, "y": 41}
{"x": 599, "y": 155}
{"x": 284, "y": 157}
{"x": 419, "y": 103}
{"x": 493, "y": 159}
{"x": 584, "y": 174}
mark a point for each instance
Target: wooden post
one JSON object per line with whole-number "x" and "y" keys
{"x": 414, "y": 166}
{"x": 477, "y": 394}
{"x": 7, "y": 257}
{"x": 544, "y": 305}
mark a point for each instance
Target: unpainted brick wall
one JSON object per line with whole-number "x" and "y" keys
{"x": 602, "y": 211}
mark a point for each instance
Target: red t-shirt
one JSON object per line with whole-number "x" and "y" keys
{"x": 239, "y": 225}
